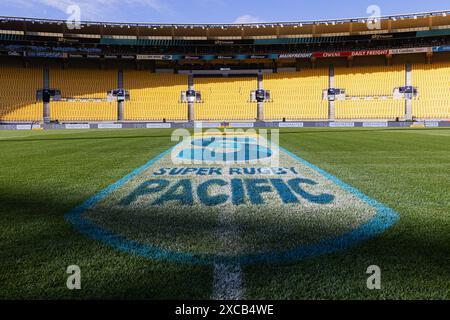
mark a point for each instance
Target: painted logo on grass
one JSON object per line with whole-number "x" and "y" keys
{"x": 230, "y": 199}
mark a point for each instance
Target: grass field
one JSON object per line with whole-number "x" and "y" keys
{"x": 45, "y": 174}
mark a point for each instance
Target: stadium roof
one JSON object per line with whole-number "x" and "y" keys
{"x": 416, "y": 21}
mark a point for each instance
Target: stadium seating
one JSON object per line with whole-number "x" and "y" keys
{"x": 83, "y": 111}
{"x": 83, "y": 84}
{"x": 297, "y": 96}
{"x": 155, "y": 96}
{"x": 371, "y": 80}
{"x": 225, "y": 98}
{"x": 388, "y": 109}
{"x": 433, "y": 82}
{"x": 18, "y": 94}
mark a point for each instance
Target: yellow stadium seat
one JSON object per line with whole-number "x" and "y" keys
{"x": 83, "y": 111}
{"x": 83, "y": 84}
{"x": 388, "y": 109}
{"x": 370, "y": 81}
{"x": 433, "y": 82}
{"x": 297, "y": 96}
{"x": 225, "y": 98}
{"x": 18, "y": 94}
{"x": 155, "y": 97}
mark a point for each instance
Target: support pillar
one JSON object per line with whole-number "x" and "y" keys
{"x": 120, "y": 110}
{"x": 408, "y": 101}
{"x": 260, "y": 106}
{"x": 191, "y": 104}
{"x": 120, "y": 104}
{"x": 331, "y": 104}
{"x": 46, "y": 105}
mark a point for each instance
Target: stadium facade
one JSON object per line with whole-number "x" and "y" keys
{"x": 388, "y": 71}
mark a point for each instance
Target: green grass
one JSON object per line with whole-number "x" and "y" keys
{"x": 45, "y": 174}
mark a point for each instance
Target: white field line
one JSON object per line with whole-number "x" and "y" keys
{"x": 228, "y": 279}
{"x": 228, "y": 282}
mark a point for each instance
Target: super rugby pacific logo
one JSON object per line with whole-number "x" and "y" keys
{"x": 230, "y": 198}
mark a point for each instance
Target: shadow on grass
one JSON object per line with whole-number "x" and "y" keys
{"x": 84, "y": 138}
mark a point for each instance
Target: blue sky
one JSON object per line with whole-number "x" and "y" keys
{"x": 211, "y": 11}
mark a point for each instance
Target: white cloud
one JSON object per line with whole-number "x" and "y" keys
{"x": 247, "y": 19}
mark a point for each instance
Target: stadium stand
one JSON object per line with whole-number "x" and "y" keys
{"x": 297, "y": 96}
{"x": 388, "y": 109}
{"x": 83, "y": 111}
{"x": 154, "y": 97}
{"x": 366, "y": 83}
{"x": 433, "y": 82}
{"x": 225, "y": 98}
{"x": 83, "y": 84}
{"x": 370, "y": 80}
{"x": 18, "y": 94}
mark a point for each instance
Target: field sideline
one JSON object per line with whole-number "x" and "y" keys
{"x": 44, "y": 174}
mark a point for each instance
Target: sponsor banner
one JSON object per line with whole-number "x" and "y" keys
{"x": 224, "y": 43}
{"x": 192, "y": 57}
{"x": 370, "y": 53}
{"x": 441, "y": 49}
{"x": 158, "y": 125}
{"x": 110, "y": 126}
{"x": 15, "y": 54}
{"x": 23, "y": 127}
{"x": 153, "y": 57}
{"x": 332, "y": 54}
{"x": 291, "y": 125}
{"x": 432, "y": 124}
{"x": 375, "y": 124}
{"x": 241, "y": 125}
{"x": 224, "y": 57}
{"x": 409, "y": 50}
{"x": 296, "y": 56}
{"x": 342, "y": 124}
{"x": 258, "y": 56}
{"x": 47, "y": 54}
{"x": 77, "y": 126}
{"x": 246, "y": 200}
{"x": 382, "y": 36}
{"x": 73, "y": 55}
{"x": 207, "y": 125}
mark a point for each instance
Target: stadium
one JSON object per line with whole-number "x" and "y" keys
{"x": 281, "y": 160}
